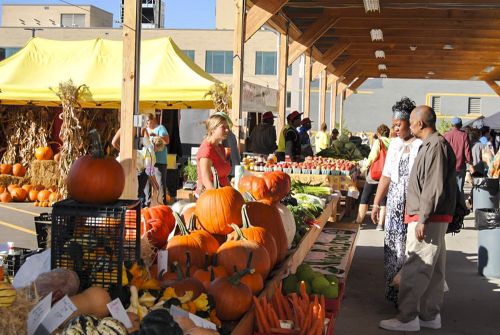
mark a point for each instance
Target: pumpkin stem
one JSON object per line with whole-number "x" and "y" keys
{"x": 206, "y": 262}
{"x": 248, "y": 197}
{"x": 238, "y": 231}
{"x": 212, "y": 274}
{"x": 182, "y": 227}
{"x": 178, "y": 269}
{"x": 250, "y": 257}
{"x": 216, "y": 178}
{"x": 188, "y": 264}
{"x": 192, "y": 223}
{"x": 214, "y": 260}
{"x": 244, "y": 217}
{"x": 235, "y": 278}
{"x": 95, "y": 144}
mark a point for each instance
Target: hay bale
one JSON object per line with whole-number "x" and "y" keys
{"x": 44, "y": 173}
{"x": 7, "y": 179}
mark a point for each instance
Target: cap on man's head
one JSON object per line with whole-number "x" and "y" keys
{"x": 268, "y": 116}
{"x": 293, "y": 115}
{"x": 456, "y": 121}
{"x": 305, "y": 120}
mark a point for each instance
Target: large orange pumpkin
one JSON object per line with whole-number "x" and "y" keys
{"x": 270, "y": 186}
{"x": 95, "y": 179}
{"x": 2, "y": 189}
{"x": 268, "y": 217}
{"x": 19, "y": 194}
{"x": 18, "y": 170}
{"x": 257, "y": 234}
{"x": 216, "y": 209}
{"x": 5, "y": 197}
{"x": 157, "y": 222}
{"x": 235, "y": 253}
{"x": 43, "y": 153}
{"x": 5, "y": 169}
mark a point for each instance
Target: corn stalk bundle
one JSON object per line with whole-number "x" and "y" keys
{"x": 76, "y": 124}
{"x": 221, "y": 96}
{"x": 25, "y": 128}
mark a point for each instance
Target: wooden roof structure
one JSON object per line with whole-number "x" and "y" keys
{"x": 444, "y": 39}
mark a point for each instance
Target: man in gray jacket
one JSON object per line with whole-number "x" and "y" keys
{"x": 263, "y": 136}
{"x": 430, "y": 205}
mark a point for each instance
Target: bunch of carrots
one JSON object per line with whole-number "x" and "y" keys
{"x": 308, "y": 316}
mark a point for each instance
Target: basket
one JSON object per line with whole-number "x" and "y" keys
{"x": 95, "y": 240}
{"x": 42, "y": 225}
{"x": 15, "y": 259}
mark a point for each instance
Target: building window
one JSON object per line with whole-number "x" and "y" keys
{"x": 289, "y": 70}
{"x": 190, "y": 54}
{"x": 265, "y": 62}
{"x": 288, "y": 99}
{"x": 73, "y": 20}
{"x": 7, "y": 52}
{"x": 220, "y": 62}
{"x": 474, "y": 106}
{"x": 436, "y": 104}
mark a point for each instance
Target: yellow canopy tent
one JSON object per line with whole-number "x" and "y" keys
{"x": 168, "y": 78}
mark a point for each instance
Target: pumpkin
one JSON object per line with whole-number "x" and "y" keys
{"x": 270, "y": 186}
{"x": 235, "y": 253}
{"x": 18, "y": 170}
{"x": 43, "y": 195}
{"x": 95, "y": 179}
{"x": 197, "y": 243}
{"x": 39, "y": 187}
{"x": 33, "y": 195}
{"x": 159, "y": 322}
{"x": 184, "y": 283}
{"x": 288, "y": 222}
{"x": 257, "y": 234}
{"x": 268, "y": 217}
{"x": 157, "y": 222}
{"x": 187, "y": 212}
{"x": 2, "y": 189}
{"x": 232, "y": 297}
{"x": 27, "y": 187}
{"x": 19, "y": 194}
{"x": 216, "y": 209}
{"x": 5, "y": 197}
{"x": 5, "y": 169}
{"x": 254, "y": 281}
{"x": 43, "y": 153}
{"x": 211, "y": 243}
{"x": 7, "y": 294}
{"x": 53, "y": 197}
{"x": 11, "y": 187}
{"x": 209, "y": 272}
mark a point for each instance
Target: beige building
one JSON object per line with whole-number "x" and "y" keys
{"x": 58, "y": 15}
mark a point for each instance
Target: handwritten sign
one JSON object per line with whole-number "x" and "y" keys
{"x": 59, "y": 313}
{"x": 118, "y": 312}
{"x": 162, "y": 261}
{"x": 38, "y": 313}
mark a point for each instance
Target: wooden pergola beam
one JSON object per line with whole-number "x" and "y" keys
{"x": 494, "y": 86}
{"x": 259, "y": 14}
{"x": 345, "y": 66}
{"x": 333, "y": 80}
{"x": 358, "y": 83}
{"x": 349, "y": 77}
{"x": 238, "y": 61}
{"x": 390, "y": 33}
{"x": 328, "y": 57}
{"x": 282, "y": 81}
{"x": 307, "y": 83}
{"x": 322, "y": 105}
{"x": 311, "y": 35}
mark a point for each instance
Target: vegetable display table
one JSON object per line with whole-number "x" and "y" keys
{"x": 246, "y": 324}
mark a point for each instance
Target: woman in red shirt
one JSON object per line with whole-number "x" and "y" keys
{"x": 212, "y": 153}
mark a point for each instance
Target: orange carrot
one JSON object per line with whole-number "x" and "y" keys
{"x": 274, "y": 318}
{"x": 303, "y": 292}
{"x": 260, "y": 329}
{"x": 261, "y": 315}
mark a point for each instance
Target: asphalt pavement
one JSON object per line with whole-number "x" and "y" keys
{"x": 17, "y": 223}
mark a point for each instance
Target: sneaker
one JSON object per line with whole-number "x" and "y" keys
{"x": 395, "y": 324}
{"x": 380, "y": 227}
{"x": 433, "y": 324}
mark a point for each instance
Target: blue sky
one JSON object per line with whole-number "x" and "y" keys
{"x": 179, "y": 14}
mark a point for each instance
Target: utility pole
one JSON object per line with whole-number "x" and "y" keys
{"x": 33, "y": 31}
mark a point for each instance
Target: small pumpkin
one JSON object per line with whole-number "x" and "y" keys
{"x": 27, "y": 187}
{"x": 43, "y": 195}
{"x": 33, "y": 195}
{"x": 2, "y": 189}
{"x": 19, "y": 194}
{"x": 252, "y": 279}
{"x": 232, "y": 297}
{"x": 5, "y": 169}
{"x": 53, "y": 197}
{"x": 216, "y": 209}
{"x": 7, "y": 294}
{"x": 95, "y": 179}
{"x": 157, "y": 222}
{"x": 270, "y": 186}
{"x": 5, "y": 197}
{"x": 18, "y": 170}
{"x": 184, "y": 283}
{"x": 208, "y": 274}
{"x": 288, "y": 221}
{"x": 236, "y": 252}
{"x": 43, "y": 153}
{"x": 11, "y": 187}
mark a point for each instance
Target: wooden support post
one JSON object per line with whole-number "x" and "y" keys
{"x": 358, "y": 83}
{"x": 282, "y": 81}
{"x": 333, "y": 102}
{"x": 260, "y": 13}
{"x": 238, "y": 61}
{"x": 130, "y": 94}
{"x": 322, "y": 106}
{"x": 342, "y": 88}
{"x": 307, "y": 84}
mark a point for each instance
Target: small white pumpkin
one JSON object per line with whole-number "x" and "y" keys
{"x": 288, "y": 222}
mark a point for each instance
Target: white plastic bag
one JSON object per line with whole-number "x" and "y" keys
{"x": 32, "y": 267}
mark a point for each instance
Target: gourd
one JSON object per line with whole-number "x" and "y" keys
{"x": 232, "y": 298}
{"x": 65, "y": 280}
{"x": 159, "y": 322}
{"x": 18, "y": 170}
{"x": 157, "y": 222}
{"x": 288, "y": 222}
{"x": 85, "y": 324}
{"x": 110, "y": 326}
{"x": 5, "y": 169}
{"x": 92, "y": 302}
{"x": 95, "y": 178}
{"x": 268, "y": 217}
{"x": 43, "y": 153}
{"x": 216, "y": 209}
{"x": 235, "y": 253}
{"x": 8, "y": 294}
{"x": 257, "y": 234}
{"x": 270, "y": 186}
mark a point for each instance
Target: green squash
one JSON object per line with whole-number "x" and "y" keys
{"x": 81, "y": 325}
{"x": 159, "y": 322}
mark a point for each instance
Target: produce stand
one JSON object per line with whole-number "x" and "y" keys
{"x": 246, "y": 324}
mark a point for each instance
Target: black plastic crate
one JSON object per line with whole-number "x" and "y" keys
{"x": 42, "y": 225}
{"x": 15, "y": 259}
{"x": 95, "y": 240}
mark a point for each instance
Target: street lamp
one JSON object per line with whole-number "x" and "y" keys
{"x": 33, "y": 30}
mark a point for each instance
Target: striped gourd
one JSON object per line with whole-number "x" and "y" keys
{"x": 7, "y": 294}
{"x": 110, "y": 326}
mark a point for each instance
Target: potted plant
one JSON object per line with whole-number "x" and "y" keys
{"x": 189, "y": 172}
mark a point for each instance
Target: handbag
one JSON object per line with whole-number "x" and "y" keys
{"x": 378, "y": 164}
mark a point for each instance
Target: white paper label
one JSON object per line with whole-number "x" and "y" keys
{"x": 200, "y": 322}
{"x": 176, "y": 311}
{"x": 59, "y": 313}
{"x": 162, "y": 261}
{"x": 38, "y": 313}
{"x": 118, "y": 312}
{"x": 172, "y": 233}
